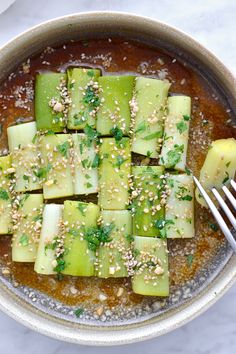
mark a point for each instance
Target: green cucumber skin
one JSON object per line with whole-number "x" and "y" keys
{"x": 158, "y": 248}
{"x": 85, "y": 178}
{"x": 108, "y": 254}
{"x": 79, "y": 259}
{"x": 25, "y": 158}
{"x": 45, "y": 89}
{"x": 5, "y": 205}
{"x": 77, "y": 78}
{"x": 113, "y": 181}
{"x": 150, "y": 95}
{"x": 120, "y": 89}
{"x": 140, "y": 219}
{"x": 62, "y": 177}
{"x": 178, "y": 107}
{"x": 180, "y": 211}
{"x": 27, "y": 253}
{"x": 45, "y": 257}
{"x": 21, "y": 135}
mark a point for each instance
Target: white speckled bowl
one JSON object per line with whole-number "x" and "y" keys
{"x": 100, "y": 24}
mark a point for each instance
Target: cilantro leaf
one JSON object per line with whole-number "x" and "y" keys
{"x": 181, "y": 126}
{"x": 4, "y": 194}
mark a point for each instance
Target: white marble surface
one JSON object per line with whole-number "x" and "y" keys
{"x": 213, "y": 23}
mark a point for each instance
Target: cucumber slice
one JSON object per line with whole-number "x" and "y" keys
{"x": 148, "y": 109}
{"x": 25, "y": 156}
{"x": 85, "y": 161}
{"x": 46, "y": 259}
{"x": 219, "y": 167}
{"x": 179, "y": 221}
{"x": 114, "y": 171}
{"x": 113, "y": 256}
{"x": 51, "y": 101}
{"x": 55, "y": 170}
{"x": 175, "y": 142}
{"x": 27, "y": 227}
{"x": 116, "y": 92}
{"x": 83, "y": 91}
{"x": 151, "y": 272}
{"x": 78, "y": 217}
{"x": 5, "y": 197}
{"x": 147, "y": 204}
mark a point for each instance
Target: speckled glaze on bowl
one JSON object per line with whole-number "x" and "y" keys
{"x": 220, "y": 275}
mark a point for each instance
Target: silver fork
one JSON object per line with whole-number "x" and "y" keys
{"x": 226, "y": 231}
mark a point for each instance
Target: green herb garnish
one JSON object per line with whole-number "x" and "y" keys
{"x": 181, "y": 126}
{"x": 43, "y": 171}
{"x": 78, "y": 312}
{"x": 161, "y": 226}
{"x": 117, "y": 133}
{"x": 64, "y": 148}
{"x": 214, "y": 226}
{"x": 4, "y": 194}
{"x": 174, "y": 156}
{"x": 190, "y": 259}
{"x": 153, "y": 136}
{"x": 24, "y": 240}
{"x": 82, "y": 208}
{"x": 97, "y": 235}
{"x": 96, "y": 161}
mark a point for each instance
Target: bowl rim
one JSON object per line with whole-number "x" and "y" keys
{"x": 32, "y": 318}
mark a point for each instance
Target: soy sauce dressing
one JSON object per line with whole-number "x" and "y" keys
{"x": 210, "y": 121}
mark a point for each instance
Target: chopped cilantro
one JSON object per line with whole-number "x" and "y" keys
{"x": 117, "y": 133}
{"x": 214, "y": 226}
{"x": 60, "y": 264}
{"x": 174, "y": 155}
{"x": 228, "y": 163}
{"x": 91, "y": 98}
{"x": 129, "y": 238}
{"x": 186, "y": 197}
{"x": 64, "y": 148}
{"x": 4, "y": 194}
{"x": 89, "y": 185}
{"x": 23, "y": 199}
{"x": 43, "y": 171}
{"x": 38, "y": 218}
{"x": 24, "y": 240}
{"x": 78, "y": 312}
{"x": 190, "y": 259}
{"x": 96, "y": 161}
{"x": 97, "y": 235}
{"x": 92, "y": 135}
{"x": 186, "y": 117}
{"x": 181, "y": 194}
{"x": 90, "y": 73}
{"x": 226, "y": 178}
{"x": 141, "y": 127}
{"x": 119, "y": 161}
{"x": 34, "y": 138}
{"x": 181, "y": 126}
{"x": 153, "y": 136}
{"x": 26, "y": 178}
{"x": 82, "y": 208}
{"x": 136, "y": 252}
{"x": 187, "y": 171}
{"x": 161, "y": 226}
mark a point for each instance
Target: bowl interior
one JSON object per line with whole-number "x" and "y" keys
{"x": 158, "y": 313}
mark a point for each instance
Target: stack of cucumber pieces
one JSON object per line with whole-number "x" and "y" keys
{"x": 88, "y": 128}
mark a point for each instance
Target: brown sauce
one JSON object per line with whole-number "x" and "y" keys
{"x": 209, "y": 122}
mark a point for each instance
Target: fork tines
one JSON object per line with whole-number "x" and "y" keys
{"x": 222, "y": 224}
